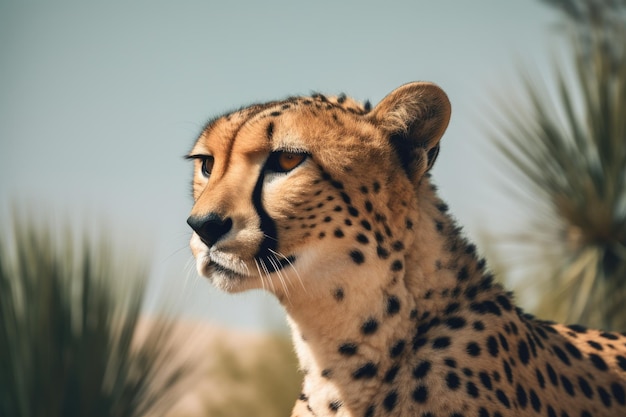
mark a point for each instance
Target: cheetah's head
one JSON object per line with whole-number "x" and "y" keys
{"x": 287, "y": 191}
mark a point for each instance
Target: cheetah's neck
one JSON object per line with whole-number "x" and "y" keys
{"x": 348, "y": 350}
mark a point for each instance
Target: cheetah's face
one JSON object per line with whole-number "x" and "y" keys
{"x": 285, "y": 188}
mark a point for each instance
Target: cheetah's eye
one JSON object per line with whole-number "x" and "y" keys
{"x": 283, "y": 161}
{"x": 207, "y": 165}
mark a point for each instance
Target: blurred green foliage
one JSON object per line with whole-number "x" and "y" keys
{"x": 568, "y": 146}
{"x": 68, "y": 316}
{"x": 74, "y": 341}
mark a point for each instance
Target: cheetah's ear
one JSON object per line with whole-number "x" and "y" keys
{"x": 415, "y": 116}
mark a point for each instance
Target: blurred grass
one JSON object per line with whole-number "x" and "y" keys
{"x": 68, "y": 315}
{"x": 74, "y": 341}
{"x": 567, "y": 146}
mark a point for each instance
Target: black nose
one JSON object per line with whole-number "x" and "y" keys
{"x": 210, "y": 227}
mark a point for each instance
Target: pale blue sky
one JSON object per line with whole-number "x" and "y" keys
{"x": 100, "y": 101}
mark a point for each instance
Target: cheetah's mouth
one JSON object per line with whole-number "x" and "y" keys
{"x": 266, "y": 264}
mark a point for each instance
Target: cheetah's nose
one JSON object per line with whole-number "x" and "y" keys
{"x": 210, "y": 227}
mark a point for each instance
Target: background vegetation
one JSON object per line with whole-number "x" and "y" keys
{"x": 75, "y": 342}
{"x": 568, "y": 146}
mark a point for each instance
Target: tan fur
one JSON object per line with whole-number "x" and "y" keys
{"x": 391, "y": 310}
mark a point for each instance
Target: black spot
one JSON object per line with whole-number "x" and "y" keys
{"x": 366, "y": 225}
{"x": 421, "y": 370}
{"x": 361, "y": 238}
{"x": 442, "y": 207}
{"x": 367, "y": 371}
{"x": 334, "y": 405}
{"x": 368, "y": 206}
{"x": 471, "y": 389}
{"x": 598, "y": 362}
{"x": 370, "y": 411}
{"x": 418, "y": 342}
{"x": 455, "y": 322}
{"x": 618, "y": 393}
{"x": 397, "y": 246}
{"x": 269, "y": 132}
{"x": 420, "y": 394}
{"x": 382, "y": 252}
{"x": 482, "y": 412}
{"x": 573, "y": 350}
{"x": 609, "y": 336}
{"x": 348, "y": 349}
{"x": 507, "y": 370}
{"x": 409, "y": 224}
{"x": 486, "y": 307}
{"x": 390, "y": 375}
{"x": 353, "y": 211}
{"x": 503, "y": 398}
{"x": 479, "y": 325}
{"x": 604, "y": 396}
{"x": 452, "y": 308}
{"x": 504, "y": 302}
{"x": 561, "y": 355}
{"x": 595, "y": 345}
{"x": 338, "y": 294}
{"x": 452, "y": 380}
{"x": 621, "y": 362}
{"x": 338, "y": 233}
{"x": 567, "y": 385}
{"x": 357, "y": 256}
{"x": 345, "y": 197}
{"x": 534, "y": 400}
{"x": 540, "y": 378}
{"x": 463, "y": 274}
{"x": 585, "y": 387}
{"x": 364, "y": 189}
{"x": 578, "y": 328}
{"x": 492, "y": 346}
{"x": 503, "y": 342}
{"x": 390, "y": 400}
{"x": 551, "y": 412}
{"x": 376, "y": 186}
{"x": 337, "y": 184}
{"x": 450, "y": 362}
{"x": 522, "y": 398}
{"x": 397, "y": 266}
{"x": 473, "y": 349}
{"x": 480, "y": 265}
{"x": 522, "y": 351}
{"x": 397, "y": 349}
{"x": 439, "y": 226}
{"x": 369, "y": 327}
{"x": 441, "y": 342}
{"x": 393, "y": 305}
{"x": 326, "y": 373}
{"x": 471, "y": 292}
{"x": 485, "y": 379}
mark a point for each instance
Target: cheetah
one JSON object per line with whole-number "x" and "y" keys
{"x": 328, "y": 204}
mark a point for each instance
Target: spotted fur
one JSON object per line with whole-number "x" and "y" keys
{"x": 329, "y": 205}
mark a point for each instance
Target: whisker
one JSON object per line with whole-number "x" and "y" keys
{"x": 267, "y": 274}
{"x": 281, "y": 278}
{"x": 258, "y": 268}
{"x": 292, "y": 267}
